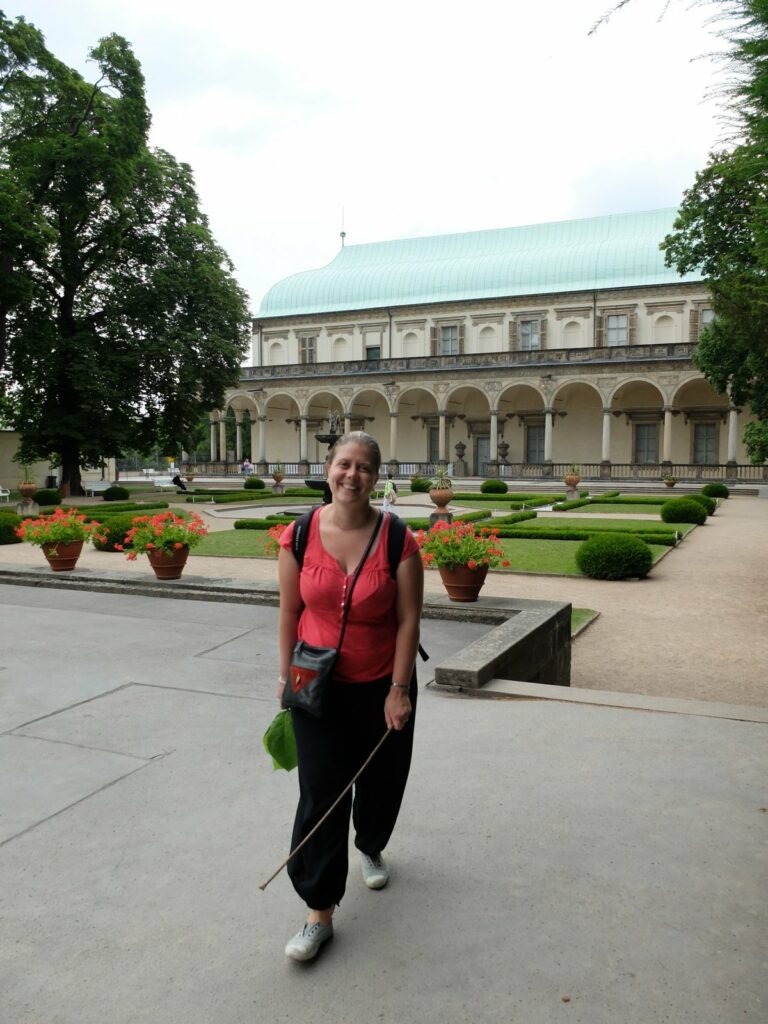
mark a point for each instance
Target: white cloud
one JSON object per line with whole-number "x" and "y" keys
{"x": 418, "y": 117}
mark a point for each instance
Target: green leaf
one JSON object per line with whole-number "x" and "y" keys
{"x": 280, "y": 742}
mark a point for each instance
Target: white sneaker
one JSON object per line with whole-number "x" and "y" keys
{"x": 375, "y": 870}
{"x": 307, "y": 943}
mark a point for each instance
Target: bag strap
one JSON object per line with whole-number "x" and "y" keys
{"x": 301, "y": 536}
{"x": 395, "y": 545}
{"x": 353, "y": 581}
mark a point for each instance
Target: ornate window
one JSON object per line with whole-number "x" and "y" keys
{"x": 528, "y": 333}
{"x": 534, "y": 442}
{"x": 616, "y": 326}
{"x": 307, "y": 348}
{"x": 447, "y": 339}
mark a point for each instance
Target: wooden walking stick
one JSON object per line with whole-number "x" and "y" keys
{"x": 330, "y": 810}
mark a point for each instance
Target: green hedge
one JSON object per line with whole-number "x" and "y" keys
{"x": 116, "y": 493}
{"x": 715, "y": 490}
{"x": 254, "y": 483}
{"x": 515, "y": 517}
{"x": 49, "y": 496}
{"x": 102, "y": 512}
{"x": 493, "y": 487}
{"x": 303, "y": 492}
{"x": 262, "y": 524}
{"x": 566, "y": 506}
{"x": 9, "y": 521}
{"x": 708, "y": 504}
{"x": 115, "y": 528}
{"x": 614, "y": 556}
{"x": 683, "y": 510}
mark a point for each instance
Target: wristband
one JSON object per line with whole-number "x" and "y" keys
{"x": 401, "y": 686}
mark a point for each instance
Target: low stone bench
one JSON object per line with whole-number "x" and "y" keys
{"x": 531, "y": 642}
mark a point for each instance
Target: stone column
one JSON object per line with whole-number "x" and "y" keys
{"x": 606, "y": 452}
{"x": 442, "y": 450}
{"x": 302, "y": 438}
{"x": 347, "y": 423}
{"x": 254, "y": 439}
{"x": 239, "y": 436}
{"x": 212, "y": 423}
{"x": 666, "y": 447}
{"x": 222, "y": 439}
{"x": 548, "y": 423}
{"x": 494, "y": 435}
{"x": 733, "y": 435}
{"x": 263, "y": 465}
{"x": 393, "y": 459}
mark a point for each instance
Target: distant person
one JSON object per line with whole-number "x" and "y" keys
{"x": 247, "y": 467}
{"x": 390, "y": 494}
{"x": 178, "y": 482}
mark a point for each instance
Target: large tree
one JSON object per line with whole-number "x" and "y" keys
{"x": 120, "y": 319}
{"x": 722, "y": 225}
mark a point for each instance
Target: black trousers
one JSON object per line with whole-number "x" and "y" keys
{"x": 331, "y": 749}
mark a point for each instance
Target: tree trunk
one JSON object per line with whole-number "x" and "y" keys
{"x": 71, "y": 484}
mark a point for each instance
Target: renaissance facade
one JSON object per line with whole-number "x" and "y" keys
{"x": 511, "y": 352}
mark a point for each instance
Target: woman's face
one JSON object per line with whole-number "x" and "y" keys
{"x": 351, "y": 475}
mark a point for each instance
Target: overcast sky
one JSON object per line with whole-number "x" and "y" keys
{"x": 419, "y": 117}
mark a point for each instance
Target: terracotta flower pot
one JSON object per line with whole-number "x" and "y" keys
{"x": 63, "y": 557}
{"x": 461, "y": 583}
{"x": 168, "y": 565}
{"x": 27, "y": 490}
{"x": 441, "y": 498}
{"x": 670, "y": 483}
{"x": 571, "y": 480}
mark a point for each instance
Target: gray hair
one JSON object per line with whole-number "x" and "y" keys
{"x": 358, "y": 437}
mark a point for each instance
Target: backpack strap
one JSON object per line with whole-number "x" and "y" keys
{"x": 395, "y": 545}
{"x": 301, "y": 536}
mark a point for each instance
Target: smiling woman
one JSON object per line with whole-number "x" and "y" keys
{"x": 373, "y": 689}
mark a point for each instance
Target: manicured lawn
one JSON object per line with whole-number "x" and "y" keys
{"x": 545, "y": 556}
{"x": 233, "y": 544}
{"x": 618, "y": 510}
{"x": 550, "y": 556}
{"x": 630, "y": 525}
{"x": 580, "y": 616}
{"x": 502, "y": 505}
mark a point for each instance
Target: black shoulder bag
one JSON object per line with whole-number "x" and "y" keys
{"x": 309, "y": 676}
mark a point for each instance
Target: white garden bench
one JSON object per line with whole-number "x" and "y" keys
{"x": 96, "y": 486}
{"x": 5, "y": 494}
{"x": 164, "y": 483}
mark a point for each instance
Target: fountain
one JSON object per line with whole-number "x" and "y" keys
{"x": 335, "y": 430}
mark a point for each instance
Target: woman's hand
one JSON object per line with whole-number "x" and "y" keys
{"x": 280, "y": 688}
{"x": 397, "y": 708}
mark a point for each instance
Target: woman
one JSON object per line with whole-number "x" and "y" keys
{"x": 374, "y": 685}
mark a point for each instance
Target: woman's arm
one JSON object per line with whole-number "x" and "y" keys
{"x": 290, "y": 611}
{"x": 410, "y": 595}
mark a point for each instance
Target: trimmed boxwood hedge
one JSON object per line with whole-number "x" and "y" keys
{"x": 101, "y": 512}
{"x": 48, "y": 496}
{"x": 115, "y": 528}
{"x": 628, "y": 499}
{"x": 262, "y": 524}
{"x": 664, "y": 539}
{"x": 683, "y": 510}
{"x": 707, "y": 503}
{"x": 254, "y": 483}
{"x": 9, "y": 521}
{"x": 715, "y": 490}
{"x": 493, "y": 487}
{"x": 116, "y": 493}
{"x": 614, "y": 556}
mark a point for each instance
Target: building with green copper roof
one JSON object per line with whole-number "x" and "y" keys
{"x": 617, "y": 251}
{"x": 511, "y": 352}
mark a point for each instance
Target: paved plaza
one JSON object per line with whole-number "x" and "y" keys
{"x": 552, "y": 861}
